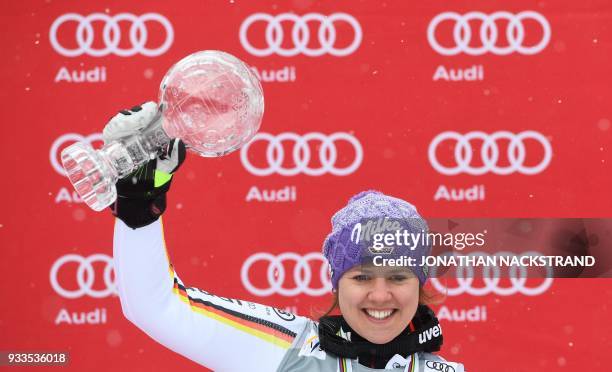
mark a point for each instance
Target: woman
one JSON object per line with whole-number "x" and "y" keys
{"x": 382, "y": 325}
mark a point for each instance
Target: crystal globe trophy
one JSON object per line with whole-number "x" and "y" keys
{"x": 211, "y": 100}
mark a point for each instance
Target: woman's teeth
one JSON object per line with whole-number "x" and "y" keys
{"x": 379, "y": 314}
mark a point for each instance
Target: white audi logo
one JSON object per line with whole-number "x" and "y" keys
{"x": 85, "y": 276}
{"x": 492, "y": 282}
{"x": 462, "y": 33}
{"x": 111, "y": 35}
{"x": 275, "y": 274}
{"x": 300, "y": 34}
{"x": 489, "y": 153}
{"x": 328, "y": 154}
{"x": 64, "y": 141}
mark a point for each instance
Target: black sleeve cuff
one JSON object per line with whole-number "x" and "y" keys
{"x": 137, "y": 212}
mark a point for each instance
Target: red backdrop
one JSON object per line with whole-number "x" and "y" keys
{"x": 384, "y": 84}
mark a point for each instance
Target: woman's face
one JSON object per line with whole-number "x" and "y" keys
{"x": 378, "y": 302}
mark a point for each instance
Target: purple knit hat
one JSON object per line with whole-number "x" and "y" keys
{"x": 343, "y": 253}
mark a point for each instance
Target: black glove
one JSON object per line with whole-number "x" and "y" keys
{"x": 141, "y": 196}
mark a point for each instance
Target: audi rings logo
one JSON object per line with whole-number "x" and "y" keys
{"x": 465, "y": 281}
{"x": 84, "y": 275}
{"x": 488, "y": 33}
{"x": 276, "y": 274}
{"x": 111, "y": 35}
{"x": 302, "y": 154}
{"x": 439, "y": 366}
{"x": 489, "y": 153}
{"x": 300, "y": 34}
{"x": 64, "y": 141}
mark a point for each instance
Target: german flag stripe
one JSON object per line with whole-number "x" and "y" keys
{"x": 263, "y": 329}
{"x": 252, "y": 322}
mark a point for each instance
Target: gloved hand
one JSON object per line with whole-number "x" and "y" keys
{"x": 141, "y": 196}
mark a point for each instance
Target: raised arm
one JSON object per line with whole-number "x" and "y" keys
{"x": 219, "y": 333}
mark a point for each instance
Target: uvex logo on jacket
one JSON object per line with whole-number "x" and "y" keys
{"x": 430, "y": 333}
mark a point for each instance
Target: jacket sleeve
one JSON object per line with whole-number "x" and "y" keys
{"x": 217, "y": 332}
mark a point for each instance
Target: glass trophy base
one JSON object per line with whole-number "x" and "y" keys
{"x": 90, "y": 175}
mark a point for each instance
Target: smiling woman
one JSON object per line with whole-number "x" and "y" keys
{"x": 384, "y": 321}
{"x": 379, "y": 302}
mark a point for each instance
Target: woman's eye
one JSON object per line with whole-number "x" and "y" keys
{"x": 398, "y": 278}
{"x": 361, "y": 278}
